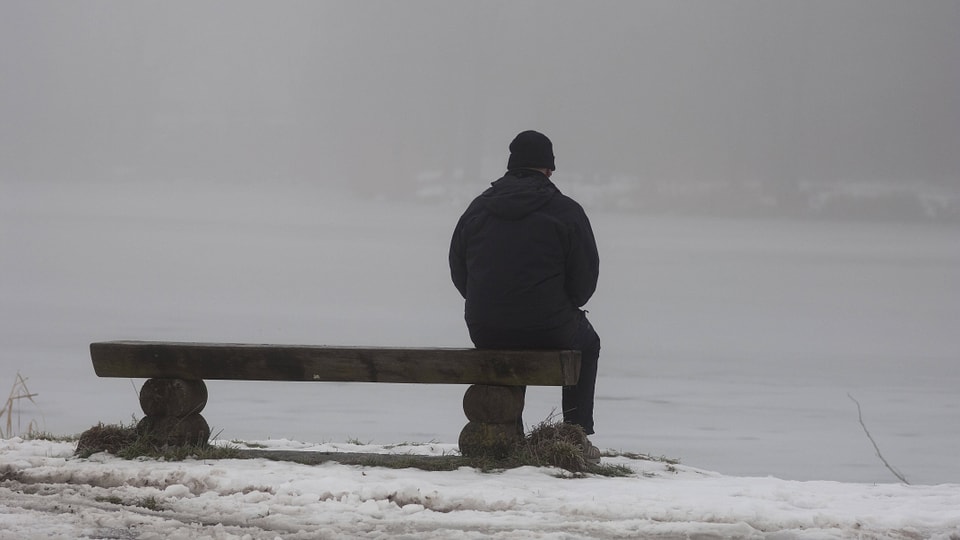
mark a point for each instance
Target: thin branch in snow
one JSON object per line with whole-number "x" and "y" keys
{"x": 874, "y": 443}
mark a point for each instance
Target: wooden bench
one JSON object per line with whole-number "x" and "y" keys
{"x": 174, "y": 394}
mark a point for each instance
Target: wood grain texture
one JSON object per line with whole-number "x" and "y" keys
{"x": 237, "y": 361}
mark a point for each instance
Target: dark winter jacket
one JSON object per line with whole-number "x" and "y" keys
{"x": 524, "y": 257}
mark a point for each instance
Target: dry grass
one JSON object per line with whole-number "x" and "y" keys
{"x": 130, "y": 443}
{"x": 114, "y": 439}
{"x": 10, "y": 420}
{"x": 555, "y": 444}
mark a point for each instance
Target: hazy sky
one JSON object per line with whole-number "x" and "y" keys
{"x": 377, "y": 92}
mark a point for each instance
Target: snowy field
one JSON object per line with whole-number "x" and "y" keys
{"x": 46, "y": 493}
{"x": 729, "y": 344}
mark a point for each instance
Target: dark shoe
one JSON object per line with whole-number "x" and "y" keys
{"x": 591, "y": 454}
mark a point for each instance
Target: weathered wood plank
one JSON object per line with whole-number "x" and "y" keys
{"x": 237, "y": 361}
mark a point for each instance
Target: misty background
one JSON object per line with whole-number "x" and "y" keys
{"x": 780, "y": 107}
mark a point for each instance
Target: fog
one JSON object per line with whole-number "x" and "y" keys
{"x": 382, "y": 96}
{"x": 773, "y": 185}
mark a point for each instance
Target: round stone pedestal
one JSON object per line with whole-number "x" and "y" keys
{"x": 172, "y": 408}
{"x": 496, "y": 424}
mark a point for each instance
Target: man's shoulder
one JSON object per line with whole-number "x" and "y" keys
{"x": 566, "y": 205}
{"x": 476, "y": 205}
{"x": 473, "y": 210}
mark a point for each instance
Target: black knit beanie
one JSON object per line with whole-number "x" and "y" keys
{"x": 532, "y": 150}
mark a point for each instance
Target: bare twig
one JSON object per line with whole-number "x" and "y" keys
{"x": 874, "y": 443}
{"x": 17, "y": 392}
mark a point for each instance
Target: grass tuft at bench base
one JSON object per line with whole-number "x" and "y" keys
{"x": 549, "y": 444}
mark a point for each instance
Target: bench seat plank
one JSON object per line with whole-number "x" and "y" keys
{"x": 237, "y": 361}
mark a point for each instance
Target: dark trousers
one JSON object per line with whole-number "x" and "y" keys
{"x": 577, "y": 400}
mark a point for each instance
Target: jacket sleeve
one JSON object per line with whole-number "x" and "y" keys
{"x": 458, "y": 260}
{"x": 583, "y": 261}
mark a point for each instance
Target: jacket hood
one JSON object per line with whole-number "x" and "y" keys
{"x": 518, "y": 193}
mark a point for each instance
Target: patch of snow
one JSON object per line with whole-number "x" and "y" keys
{"x": 47, "y": 492}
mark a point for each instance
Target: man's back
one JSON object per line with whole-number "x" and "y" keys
{"x": 524, "y": 257}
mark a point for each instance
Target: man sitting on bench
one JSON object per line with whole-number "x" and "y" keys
{"x": 524, "y": 257}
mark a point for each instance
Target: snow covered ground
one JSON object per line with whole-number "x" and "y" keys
{"x": 47, "y": 493}
{"x": 730, "y": 344}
